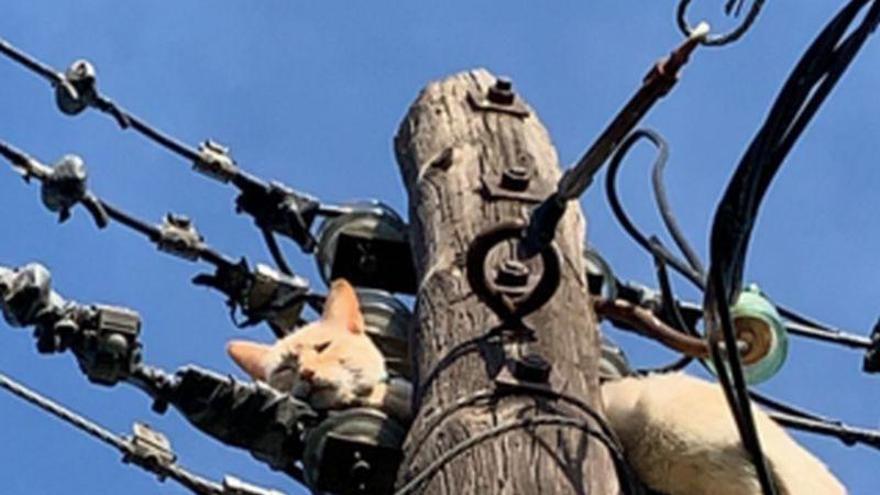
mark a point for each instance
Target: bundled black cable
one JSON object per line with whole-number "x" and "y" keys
{"x": 805, "y": 90}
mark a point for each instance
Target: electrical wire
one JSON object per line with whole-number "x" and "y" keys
{"x": 670, "y": 307}
{"x": 31, "y": 167}
{"x": 427, "y": 474}
{"x": 620, "y": 214}
{"x": 796, "y": 324}
{"x": 276, "y": 252}
{"x": 256, "y": 190}
{"x": 664, "y": 207}
{"x": 191, "y": 481}
{"x": 723, "y": 39}
{"x": 810, "y": 83}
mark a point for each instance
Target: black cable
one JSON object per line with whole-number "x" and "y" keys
{"x": 159, "y": 137}
{"x": 778, "y": 405}
{"x": 150, "y": 231}
{"x": 275, "y": 251}
{"x": 665, "y": 209}
{"x": 617, "y": 207}
{"x": 724, "y": 39}
{"x": 846, "y": 434}
{"x": 729, "y": 384}
{"x": 670, "y": 304}
{"x": 734, "y": 385}
{"x": 797, "y": 324}
{"x": 670, "y": 309}
{"x": 432, "y": 469}
{"x": 822, "y": 64}
{"x": 40, "y": 69}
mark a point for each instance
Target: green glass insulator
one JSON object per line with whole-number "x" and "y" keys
{"x": 763, "y": 336}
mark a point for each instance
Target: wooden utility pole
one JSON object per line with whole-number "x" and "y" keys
{"x": 466, "y": 152}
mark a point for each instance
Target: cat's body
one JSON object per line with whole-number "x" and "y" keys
{"x": 676, "y": 430}
{"x": 680, "y": 438}
{"x": 330, "y": 363}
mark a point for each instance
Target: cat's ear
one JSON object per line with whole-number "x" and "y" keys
{"x": 342, "y": 306}
{"x": 250, "y": 357}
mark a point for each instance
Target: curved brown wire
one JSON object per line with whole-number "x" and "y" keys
{"x": 649, "y": 324}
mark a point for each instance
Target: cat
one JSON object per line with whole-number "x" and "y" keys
{"x": 680, "y": 438}
{"x": 330, "y": 363}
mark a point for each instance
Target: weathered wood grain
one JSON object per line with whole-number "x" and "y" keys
{"x": 444, "y": 147}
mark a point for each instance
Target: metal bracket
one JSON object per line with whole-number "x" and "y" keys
{"x": 518, "y": 180}
{"x": 481, "y": 103}
{"x": 150, "y": 448}
{"x": 494, "y": 188}
{"x": 500, "y": 98}
{"x": 108, "y": 350}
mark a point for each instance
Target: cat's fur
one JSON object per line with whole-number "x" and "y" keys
{"x": 680, "y": 438}
{"x": 330, "y": 363}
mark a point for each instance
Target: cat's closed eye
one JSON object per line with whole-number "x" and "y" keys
{"x": 319, "y": 348}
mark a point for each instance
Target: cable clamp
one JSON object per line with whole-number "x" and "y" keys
{"x": 179, "y": 237}
{"x": 77, "y": 89}
{"x": 150, "y": 449}
{"x": 215, "y": 162}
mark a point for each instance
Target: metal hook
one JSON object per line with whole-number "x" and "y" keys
{"x": 733, "y": 7}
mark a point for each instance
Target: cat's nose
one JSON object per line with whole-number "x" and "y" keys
{"x": 307, "y": 374}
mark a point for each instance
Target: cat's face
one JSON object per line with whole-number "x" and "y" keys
{"x": 330, "y": 363}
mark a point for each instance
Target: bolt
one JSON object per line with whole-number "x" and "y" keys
{"x": 501, "y": 92}
{"x": 516, "y": 176}
{"x": 531, "y": 368}
{"x": 180, "y": 221}
{"x": 361, "y": 470}
{"x": 512, "y": 273}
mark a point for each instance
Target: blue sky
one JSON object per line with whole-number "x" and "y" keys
{"x": 311, "y": 93}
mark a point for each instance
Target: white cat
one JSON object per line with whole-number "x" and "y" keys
{"x": 680, "y": 438}
{"x": 330, "y": 363}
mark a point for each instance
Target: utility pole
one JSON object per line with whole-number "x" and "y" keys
{"x": 473, "y": 156}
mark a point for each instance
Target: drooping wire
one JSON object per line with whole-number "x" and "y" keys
{"x": 846, "y": 434}
{"x": 665, "y": 209}
{"x": 797, "y": 323}
{"x": 810, "y": 83}
{"x": 722, "y": 39}
{"x": 620, "y": 214}
{"x": 718, "y": 314}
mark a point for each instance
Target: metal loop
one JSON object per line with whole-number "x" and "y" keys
{"x": 719, "y": 39}
{"x": 510, "y": 310}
